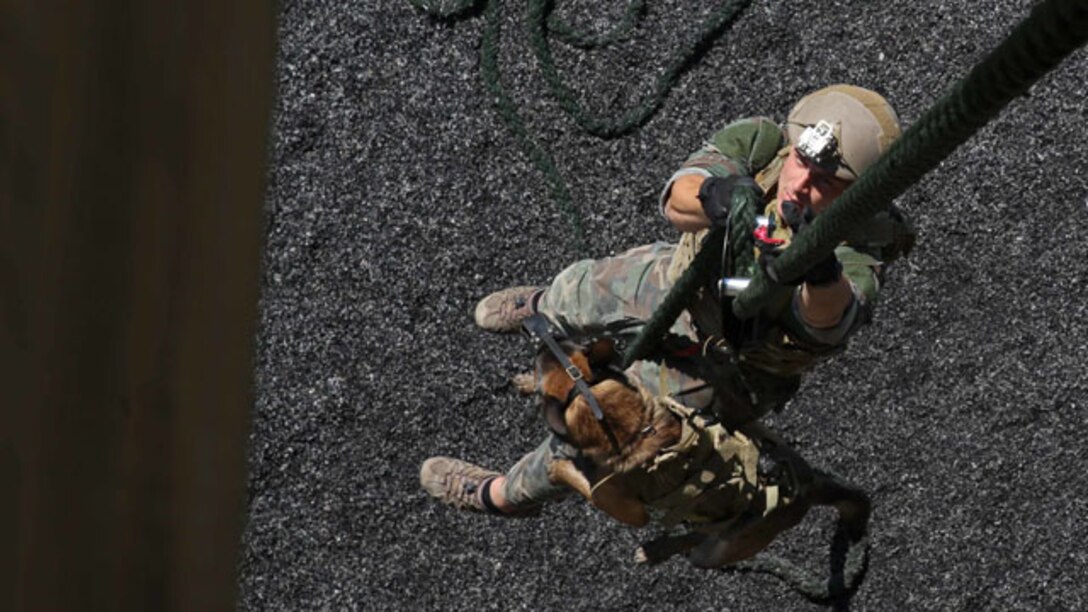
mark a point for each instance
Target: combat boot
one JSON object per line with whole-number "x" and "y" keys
{"x": 503, "y": 311}
{"x": 460, "y": 484}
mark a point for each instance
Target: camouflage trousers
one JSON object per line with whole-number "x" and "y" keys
{"x": 527, "y": 484}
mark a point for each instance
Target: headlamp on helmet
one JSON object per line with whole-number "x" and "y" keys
{"x": 819, "y": 145}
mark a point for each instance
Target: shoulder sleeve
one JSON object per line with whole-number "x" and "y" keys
{"x": 751, "y": 143}
{"x": 742, "y": 147}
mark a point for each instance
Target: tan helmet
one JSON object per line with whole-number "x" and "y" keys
{"x": 843, "y": 127}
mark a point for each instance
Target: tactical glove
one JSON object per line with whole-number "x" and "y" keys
{"x": 716, "y": 196}
{"x": 825, "y": 272}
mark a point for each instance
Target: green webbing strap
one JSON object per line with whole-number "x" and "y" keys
{"x": 702, "y": 272}
{"x": 1054, "y": 29}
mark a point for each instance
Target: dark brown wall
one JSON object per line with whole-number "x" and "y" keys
{"x": 132, "y": 171}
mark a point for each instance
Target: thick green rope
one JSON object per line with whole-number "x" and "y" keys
{"x": 567, "y": 34}
{"x": 742, "y": 222}
{"x": 446, "y": 10}
{"x": 1054, "y": 29}
{"x": 848, "y": 563}
{"x": 489, "y": 66}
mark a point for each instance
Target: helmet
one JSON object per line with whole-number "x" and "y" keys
{"x": 843, "y": 127}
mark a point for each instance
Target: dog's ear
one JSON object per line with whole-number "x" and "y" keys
{"x": 601, "y": 351}
{"x": 545, "y": 361}
{"x": 554, "y": 413}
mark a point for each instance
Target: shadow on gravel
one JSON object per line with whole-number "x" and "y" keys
{"x": 848, "y": 564}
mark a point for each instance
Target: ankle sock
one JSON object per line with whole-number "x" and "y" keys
{"x": 485, "y": 497}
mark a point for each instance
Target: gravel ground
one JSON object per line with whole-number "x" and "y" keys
{"x": 399, "y": 194}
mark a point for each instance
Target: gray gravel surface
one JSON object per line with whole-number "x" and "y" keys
{"x": 398, "y": 196}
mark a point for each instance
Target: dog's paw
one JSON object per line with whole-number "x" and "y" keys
{"x": 524, "y": 383}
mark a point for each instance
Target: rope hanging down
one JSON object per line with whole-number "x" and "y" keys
{"x": 1054, "y": 30}
{"x": 842, "y": 582}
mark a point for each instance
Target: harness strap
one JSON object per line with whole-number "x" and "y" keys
{"x": 538, "y": 327}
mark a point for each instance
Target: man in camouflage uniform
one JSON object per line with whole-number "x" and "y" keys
{"x": 831, "y": 136}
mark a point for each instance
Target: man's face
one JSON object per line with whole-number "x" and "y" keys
{"x": 808, "y": 184}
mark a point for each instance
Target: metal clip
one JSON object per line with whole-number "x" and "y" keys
{"x": 732, "y": 287}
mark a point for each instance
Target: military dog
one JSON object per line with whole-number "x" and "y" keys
{"x": 638, "y": 431}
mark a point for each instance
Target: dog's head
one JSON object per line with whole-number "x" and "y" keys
{"x": 556, "y": 385}
{"x": 631, "y": 430}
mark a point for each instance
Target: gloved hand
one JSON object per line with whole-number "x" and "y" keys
{"x": 825, "y": 272}
{"x": 716, "y": 196}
